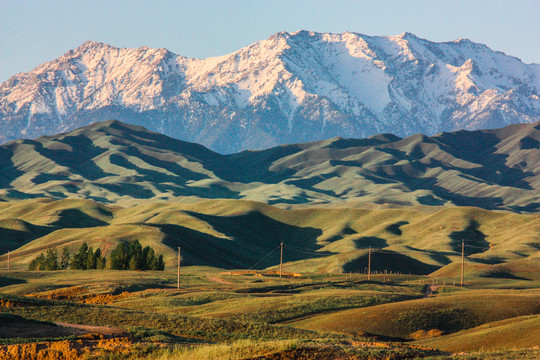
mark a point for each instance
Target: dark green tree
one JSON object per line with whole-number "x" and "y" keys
{"x": 80, "y": 258}
{"x": 132, "y": 264}
{"x": 101, "y": 263}
{"x": 38, "y": 263}
{"x": 132, "y": 256}
{"x": 99, "y": 260}
{"x": 90, "y": 259}
{"x": 135, "y": 259}
{"x": 51, "y": 260}
{"x": 148, "y": 257}
{"x": 117, "y": 259}
{"x": 160, "y": 263}
{"x": 64, "y": 262}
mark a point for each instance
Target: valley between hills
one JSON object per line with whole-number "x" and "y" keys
{"x": 413, "y": 212}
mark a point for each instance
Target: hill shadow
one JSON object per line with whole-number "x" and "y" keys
{"x": 481, "y": 148}
{"x": 395, "y": 228}
{"x": 476, "y": 148}
{"x": 217, "y": 163}
{"x": 181, "y": 172}
{"x": 501, "y": 274}
{"x": 79, "y": 160}
{"x": 212, "y": 191}
{"x": 198, "y": 248}
{"x": 7, "y": 281}
{"x": 129, "y": 189}
{"x": 9, "y": 171}
{"x": 474, "y": 240}
{"x": 74, "y": 218}
{"x": 11, "y": 239}
{"x": 366, "y": 242}
{"x": 440, "y": 257}
{"x": 389, "y": 261}
{"x": 257, "y": 233}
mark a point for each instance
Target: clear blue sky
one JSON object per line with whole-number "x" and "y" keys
{"x": 32, "y": 32}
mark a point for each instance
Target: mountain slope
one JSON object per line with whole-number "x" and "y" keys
{"x": 115, "y": 162}
{"x": 296, "y": 87}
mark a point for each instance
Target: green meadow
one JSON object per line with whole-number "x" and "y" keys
{"x": 231, "y": 302}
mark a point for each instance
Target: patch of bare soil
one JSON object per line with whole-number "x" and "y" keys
{"x": 423, "y": 334}
{"x": 79, "y": 294}
{"x": 64, "y": 350}
{"x": 15, "y": 303}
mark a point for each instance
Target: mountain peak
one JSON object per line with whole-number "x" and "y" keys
{"x": 407, "y": 36}
{"x": 293, "y": 87}
{"x": 90, "y": 45}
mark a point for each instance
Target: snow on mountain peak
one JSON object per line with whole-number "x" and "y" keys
{"x": 290, "y": 87}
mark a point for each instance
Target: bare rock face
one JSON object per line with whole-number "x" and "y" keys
{"x": 292, "y": 87}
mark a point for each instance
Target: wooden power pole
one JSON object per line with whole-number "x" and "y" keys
{"x": 178, "y": 272}
{"x": 369, "y": 265}
{"x": 8, "y": 260}
{"x": 462, "y": 261}
{"x": 281, "y": 261}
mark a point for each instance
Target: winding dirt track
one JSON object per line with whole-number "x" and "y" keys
{"x": 82, "y": 329}
{"x": 218, "y": 280}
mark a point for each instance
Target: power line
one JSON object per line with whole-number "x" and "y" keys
{"x": 264, "y": 258}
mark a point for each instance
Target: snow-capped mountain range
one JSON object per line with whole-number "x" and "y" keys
{"x": 292, "y": 87}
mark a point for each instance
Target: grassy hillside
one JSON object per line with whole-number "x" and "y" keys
{"x": 508, "y": 334}
{"x": 112, "y": 162}
{"x": 290, "y": 317}
{"x": 242, "y": 234}
{"x": 449, "y": 313}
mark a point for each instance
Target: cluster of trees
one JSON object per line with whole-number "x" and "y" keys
{"x": 126, "y": 256}
{"x": 49, "y": 261}
{"x": 87, "y": 259}
{"x": 132, "y": 256}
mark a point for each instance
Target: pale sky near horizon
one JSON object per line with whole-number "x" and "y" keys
{"x": 36, "y": 31}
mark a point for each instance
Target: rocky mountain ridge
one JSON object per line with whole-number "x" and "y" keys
{"x": 297, "y": 87}
{"x": 292, "y": 87}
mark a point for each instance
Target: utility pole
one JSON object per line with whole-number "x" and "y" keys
{"x": 178, "y": 275}
{"x": 369, "y": 265}
{"x": 281, "y": 261}
{"x": 462, "y": 261}
{"x": 8, "y": 260}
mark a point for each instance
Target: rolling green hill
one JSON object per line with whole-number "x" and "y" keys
{"x": 238, "y": 234}
{"x": 111, "y": 162}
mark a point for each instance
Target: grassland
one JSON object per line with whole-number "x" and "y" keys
{"x": 117, "y": 163}
{"x": 412, "y": 307}
{"x": 315, "y": 316}
{"x": 228, "y": 234}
